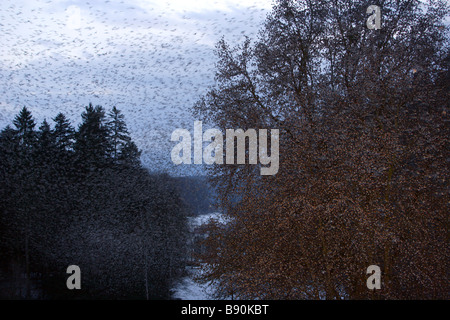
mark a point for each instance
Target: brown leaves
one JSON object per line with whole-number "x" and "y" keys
{"x": 362, "y": 172}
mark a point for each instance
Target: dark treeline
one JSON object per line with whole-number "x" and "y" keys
{"x": 81, "y": 197}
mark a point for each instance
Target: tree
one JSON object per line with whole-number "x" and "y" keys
{"x": 8, "y": 152}
{"x": 18, "y": 215}
{"x": 118, "y": 132}
{"x": 130, "y": 154}
{"x": 361, "y": 154}
{"x": 45, "y": 145}
{"x": 92, "y": 145}
{"x": 63, "y": 133}
{"x": 124, "y": 150}
{"x": 25, "y": 124}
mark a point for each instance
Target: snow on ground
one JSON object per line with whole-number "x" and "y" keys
{"x": 197, "y": 221}
{"x": 187, "y": 288}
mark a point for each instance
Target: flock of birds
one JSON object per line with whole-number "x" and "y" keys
{"x": 150, "y": 59}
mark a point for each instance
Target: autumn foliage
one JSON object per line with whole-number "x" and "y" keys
{"x": 363, "y": 178}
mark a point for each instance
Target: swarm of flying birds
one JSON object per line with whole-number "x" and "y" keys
{"x": 151, "y": 59}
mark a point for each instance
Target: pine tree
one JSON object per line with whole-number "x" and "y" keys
{"x": 8, "y": 145}
{"x": 22, "y": 192}
{"x": 63, "y": 132}
{"x": 130, "y": 154}
{"x": 118, "y": 132}
{"x": 8, "y": 174}
{"x": 45, "y": 140}
{"x": 25, "y": 124}
{"x": 92, "y": 144}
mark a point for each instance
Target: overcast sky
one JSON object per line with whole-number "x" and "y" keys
{"x": 150, "y": 58}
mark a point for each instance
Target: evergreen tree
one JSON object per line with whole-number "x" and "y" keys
{"x": 8, "y": 169}
{"x": 8, "y": 147}
{"x": 130, "y": 154}
{"x": 25, "y": 124}
{"x": 63, "y": 132}
{"x": 45, "y": 144}
{"x": 92, "y": 144}
{"x": 118, "y": 132}
{"x": 21, "y": 192}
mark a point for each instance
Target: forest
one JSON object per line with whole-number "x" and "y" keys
{"x": 81, "y": 197}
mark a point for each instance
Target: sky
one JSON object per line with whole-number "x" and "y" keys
{"x": 151, "y": 59}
